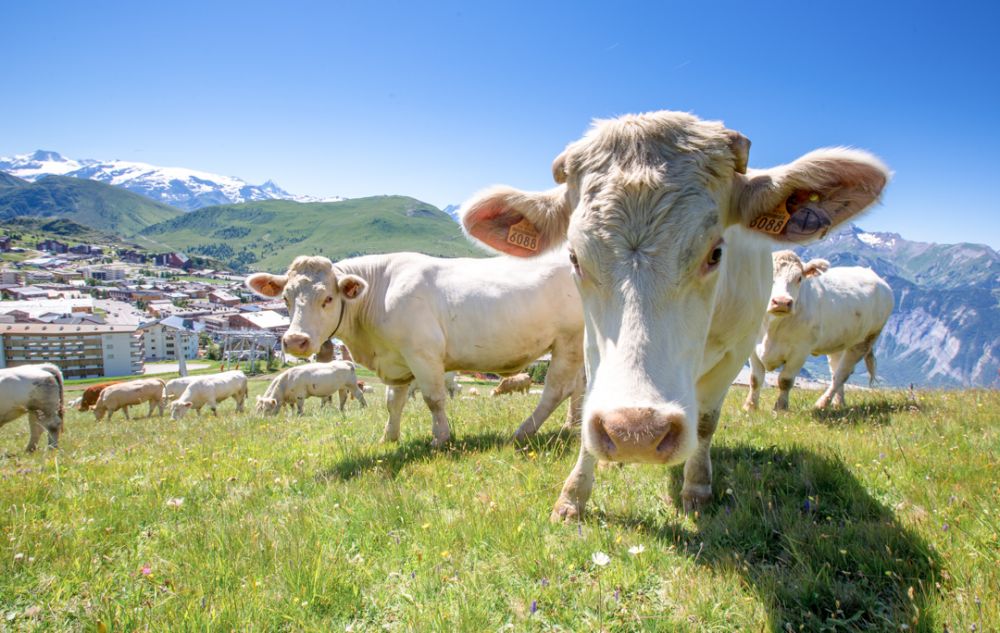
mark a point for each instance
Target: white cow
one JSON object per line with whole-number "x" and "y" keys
{"x": 665, "y": 228}
{"x": 38, "y": 391}
{"x": 815, "y": 309}
{"x": 209, "y": 391}
{"x": 123, "y": 395}
{"x": 176, "y": 386}
{"x": 321, "y": 380}
{"x": 450, "y": 384}
{"x": 409, "y": 316}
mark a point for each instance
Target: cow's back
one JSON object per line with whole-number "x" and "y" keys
{"x": 489, "y": 314}
{"x": 845, "y": 306}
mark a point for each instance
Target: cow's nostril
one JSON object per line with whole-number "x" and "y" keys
{"x": 601, "y": 434}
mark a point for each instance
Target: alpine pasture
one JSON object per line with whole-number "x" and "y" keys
{"x": 881, "y": 516}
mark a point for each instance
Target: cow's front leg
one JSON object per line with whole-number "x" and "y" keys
{"x": 342, "y": 393}
{"x": 560, "y": 382}
{"x": 576, "y": 490}
{"x": 756, "y": 382}
{"x": 35, "y": 429}
{"x": 786, "y": 380}
{"x": 395, "y": 399}
{"x": 574, "y": 414}
{"x": 697, "y": 490}
{"x": 436, "y": 396}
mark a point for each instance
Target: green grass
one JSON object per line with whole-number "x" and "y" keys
{"x": 269, "y": 235}
{"x": 880, "y": 517}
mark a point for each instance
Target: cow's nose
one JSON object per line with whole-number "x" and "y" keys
{"x": 296, "y": 343}
{"x": 780, "y": 304}
{"x": 638, "y": 434}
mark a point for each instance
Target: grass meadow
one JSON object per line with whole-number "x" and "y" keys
{"x": 883, "y": 516}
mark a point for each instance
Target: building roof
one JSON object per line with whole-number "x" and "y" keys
{"x": 222, "y": 295}
{"x": 266, "y": 319}
{"x": 175, "y": 322}
{"x": 56, "y": 330}
{"x": 41, "y": 306}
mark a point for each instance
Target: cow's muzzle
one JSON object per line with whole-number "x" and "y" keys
{"x": 638, "y": 434}
{"x": 297, "y": 344}
{"x": 780, "y": 305}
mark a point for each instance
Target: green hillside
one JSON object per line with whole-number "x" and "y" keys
{"x": 88, "y": 202}
{"x": 30, "y": 230}
{"x": 268, "y": 235}
{"x": 9, "y": 182}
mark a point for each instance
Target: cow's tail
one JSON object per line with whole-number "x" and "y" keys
{"x": 871, "y": 365}
{"x": 57, "y": 374}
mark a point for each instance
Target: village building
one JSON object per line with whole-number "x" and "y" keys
{"x": 264, "y": 320}
{"x": 222, "y": 297}
{"x": 80, "y": 351}
{"x": 161, "y": 338}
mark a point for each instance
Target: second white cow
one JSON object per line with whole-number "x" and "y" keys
{"x": 320, "y": 380}
{"x": 411, "y": 317}
{"x": 209, "y": 391}
{"x": 815, "y": 309}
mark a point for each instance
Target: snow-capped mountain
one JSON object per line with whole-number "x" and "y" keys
{"x": 40, "y": 163}
{"x": 945, "y": 328}
{"x": 452, "y": 210}
{"x": 180, "y": 187}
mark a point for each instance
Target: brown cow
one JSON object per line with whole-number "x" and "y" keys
{"x": 91, "y": 395}
{"x": 513, "y": 384}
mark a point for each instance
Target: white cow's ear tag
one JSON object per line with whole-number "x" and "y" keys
{"x": 773, "y": 222}
{"x": 523, "y": 234}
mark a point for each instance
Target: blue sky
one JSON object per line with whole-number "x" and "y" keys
{"x": 439, "y": 100}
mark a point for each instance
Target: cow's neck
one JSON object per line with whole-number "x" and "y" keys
{"x": 355, "y": 327}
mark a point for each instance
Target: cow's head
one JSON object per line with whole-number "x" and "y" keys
{"x": 316, "y": 297}
{"x": 267, "y": 406}
{"x": 643, "y": 201}
{"x": 789, "y": 271}
{"x": 179, "y": 408}
{"x": 100, "y": 409}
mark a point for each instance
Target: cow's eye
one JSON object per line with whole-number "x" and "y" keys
{"x": 714, "y": 256}
{"x": 798, "y": 279}
{"x": 327, "y": 301}
{"x": 573, "y": 260}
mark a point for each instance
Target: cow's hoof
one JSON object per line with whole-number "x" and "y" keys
{"x": 389, "y": 439}
{"x": 780, "y": 408}
{"x": 821, "y": 404}
{"x": 521, "y": 438}
{"x": 749, "y": 406}
{"x": 565, "y": 511}
{"x": 696, "y": 498}
{"x": 440, "y": 442}
{"x": 606, "y": 465}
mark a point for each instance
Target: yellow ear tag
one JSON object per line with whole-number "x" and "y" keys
{"x": 814, "y": 197}
{"x": 773, "y": 222}
{"x": 523, "y": 234}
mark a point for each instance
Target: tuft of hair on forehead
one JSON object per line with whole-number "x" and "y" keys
{"x": 311, "y": 265}
{"x": 638, "y": 141}
{"x": 784, "y": 259}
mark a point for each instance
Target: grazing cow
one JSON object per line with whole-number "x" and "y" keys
{"x": 513, "y": 384}
{"x": 322, "y": 380}
{"x": 665, "y": 228}
{"x": 209, "y": 391}
{"x": 38, "y": 391}
{"x": 815, "y": 309}
{"x": 176, "y": 386}
{"x": 92, "y": 393}
{"x": 409, "y": 316}
{"x": 450, "y": 384}
{"x": 126, "y": 394}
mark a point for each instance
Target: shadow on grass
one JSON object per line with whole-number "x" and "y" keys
{"x": 391, "y": 462}
{"x": 822, "y": 554}
{"x": 874, "y": 413}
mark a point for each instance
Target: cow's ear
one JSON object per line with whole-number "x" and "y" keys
{"x": 518, "y": 223}
{"x": 267, "y": 285}
{"x": 802, "y": 201}
{"x": 352, "y": 287}
{"x": 815, "y": 267}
